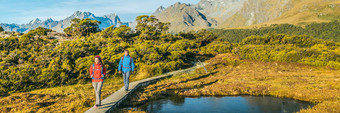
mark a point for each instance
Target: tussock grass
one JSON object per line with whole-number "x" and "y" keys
{"x": 232, "y": 76}
{"x": 228, "y": 76}
{"x": 73, "y": 98}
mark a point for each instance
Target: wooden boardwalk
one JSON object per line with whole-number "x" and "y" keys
{"x": 113, "y": 101}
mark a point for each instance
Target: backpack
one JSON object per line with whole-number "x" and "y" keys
{"x": 101, "y": 71}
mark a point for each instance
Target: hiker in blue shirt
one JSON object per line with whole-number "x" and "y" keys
{"x": 127, "y": 66}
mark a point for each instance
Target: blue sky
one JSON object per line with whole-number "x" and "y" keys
{"x": 23, "y": 11}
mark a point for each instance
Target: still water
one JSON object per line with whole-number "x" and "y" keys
{"x": 228, "y": 104}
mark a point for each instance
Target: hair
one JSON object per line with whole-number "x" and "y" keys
{"x": 126, "y": 50}
{"x": 101, "y": 63}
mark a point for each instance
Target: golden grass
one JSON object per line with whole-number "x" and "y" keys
{"x": 229, "y": 76}
{"x": 73, "y": 98}
{"x": 306, "y": 12}
{"x": 302, "y": 13}
{"x": 285, "y": 80}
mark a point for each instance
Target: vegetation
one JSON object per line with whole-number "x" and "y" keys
{"x": 1, "y": 29}
{"x": 34, "y": 61}
{"x": 327, "y": 31}
{"x": 283, "y": 48}
{"x": 82, "y": 27}
{"x": 232, "y": 76}
{"x": 72, "y": 98}
{"x": 268, "y": 64}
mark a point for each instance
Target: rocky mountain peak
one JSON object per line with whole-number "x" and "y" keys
{"x": 49, "y": 20}
{"x": 183, "y": 17}
{"x": 112, "y": 16}
{"x": 79, "y": 14}
{"x": 159, "y": 9}
{"x": 35, "y": 21}
{"x": 59, "y": 26}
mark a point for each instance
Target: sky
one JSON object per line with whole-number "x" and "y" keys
{"x": 23, "y": 11}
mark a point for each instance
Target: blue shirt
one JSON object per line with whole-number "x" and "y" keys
{"x": 128, "y": 64}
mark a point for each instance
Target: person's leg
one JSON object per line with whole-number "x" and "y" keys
{"x": 99, "y": 91}
{"x": 127, "y": 76}
{"x": 124, "y": 79}
{"x": 95, "y": 84}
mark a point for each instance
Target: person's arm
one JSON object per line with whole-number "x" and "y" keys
{"x": 132, "y": 65}
{"x": 120, "y": 65}
{"x": 91, "y": 71}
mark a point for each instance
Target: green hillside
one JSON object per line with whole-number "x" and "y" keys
{"x": 327, "y": 31}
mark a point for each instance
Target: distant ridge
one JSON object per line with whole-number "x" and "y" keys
{"x": 59, "y": 26}
{"x": 247, "y": 13}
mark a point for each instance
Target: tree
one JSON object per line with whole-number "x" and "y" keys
{"x": 122, "y": 31}
{"x": 150, "y": 28}
{"x": 1, "y": 29}
{"x": 108, "y": 32}
{"x": 82, "y": 27}
{"x": 33, "y": 38}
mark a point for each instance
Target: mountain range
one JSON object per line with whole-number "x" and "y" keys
{"x": 59, "y": 26}
{"x": 247, "y": 13}
{"x": 213, "y": 14}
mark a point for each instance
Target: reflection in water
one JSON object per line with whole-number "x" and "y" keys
{"x": 269, "y": 104}
{"x": 229, "y": 104}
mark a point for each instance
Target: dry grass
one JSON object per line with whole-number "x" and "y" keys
{"x": 229, "y": 76}
{"x": 74, "y": 98}
{"x": 308, "y": 11}
{"x": 284, "y": 80}
{"x": 302, "y": 13}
